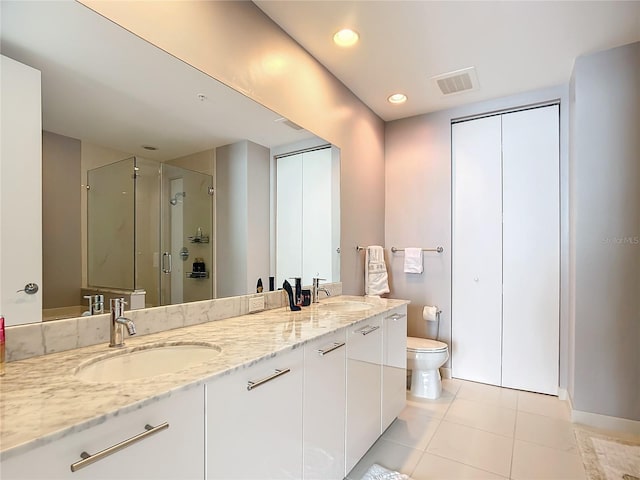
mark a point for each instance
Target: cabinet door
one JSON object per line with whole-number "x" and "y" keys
{"x": 394, "y": 365}
{"x": 477, "y": 250}
{"x": 364, "y": 358}
{"x": 254, "y": 430}
{"x": 324, "y": 407}
{"x": 531, "y": 253}
{"x": 175, "y": 452}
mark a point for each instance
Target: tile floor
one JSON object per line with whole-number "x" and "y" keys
{"x": 476, "y": 431}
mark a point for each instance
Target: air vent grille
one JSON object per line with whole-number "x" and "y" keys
{"x": 456, "y": 82}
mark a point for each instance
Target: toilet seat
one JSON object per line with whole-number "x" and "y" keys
{"x": 416, "y": 344}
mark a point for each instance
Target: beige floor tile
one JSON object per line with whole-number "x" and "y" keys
{"x": 412, "y": 428}
{"x": 547, "y": 431}
{"x": 389, "y": 455}
{"x": 435, "y": 408}
{"x": 483, "y": 416}
{"x": 480, "y": 392}
{"x": 546, "y": 405}
{"x": 531, "y": 461}
{"x": 473, "y": 447}
{"x": 432, "y": 467}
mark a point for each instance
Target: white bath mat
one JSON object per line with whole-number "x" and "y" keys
{"x": 608, "y": 458}
{"x": 377, "y": 472}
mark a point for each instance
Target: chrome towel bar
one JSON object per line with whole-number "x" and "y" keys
{"x": 437, "y": 249}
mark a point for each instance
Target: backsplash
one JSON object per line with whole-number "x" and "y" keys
{"x": 31, "y": 340}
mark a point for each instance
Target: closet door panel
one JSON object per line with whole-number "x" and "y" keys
{"x": 477, "y": 250}
{"x": 531, "y": 250}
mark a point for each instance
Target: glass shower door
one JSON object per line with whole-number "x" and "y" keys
{"x": 110, "y": 225}
{"x": 186, "y": 272}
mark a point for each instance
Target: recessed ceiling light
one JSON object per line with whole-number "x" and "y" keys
{"x": 346, "y": 37}
{"x": 397, "y": 98}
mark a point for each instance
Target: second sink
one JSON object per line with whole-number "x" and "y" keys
{"x": 145, "y": 361}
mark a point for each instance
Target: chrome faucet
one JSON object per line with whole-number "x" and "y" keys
{"x": 118, "y": 322}
{"x": 315, "y": 288}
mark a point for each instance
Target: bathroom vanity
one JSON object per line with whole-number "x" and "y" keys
{"x": 283, "y": 395}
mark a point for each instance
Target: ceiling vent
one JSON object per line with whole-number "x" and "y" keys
{"x": 289, "y": 123}
{"x": 465, "y": 80}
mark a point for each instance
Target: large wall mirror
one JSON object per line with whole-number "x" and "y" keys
{"x": 158, "y": 178}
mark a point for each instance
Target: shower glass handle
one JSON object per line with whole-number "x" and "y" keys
{"x": 166, "y": 262}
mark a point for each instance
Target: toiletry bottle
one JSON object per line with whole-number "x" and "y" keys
{"x": 2, "y": 352}
{"x": 298, "y": 290}
{"x": 259, "y": 286}
{"x": 272, "y": 284}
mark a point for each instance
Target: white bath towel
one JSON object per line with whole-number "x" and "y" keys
{"x": 413, "y": 260}
{"x": 375, "y": 272}
{"x": 377, "y": 472}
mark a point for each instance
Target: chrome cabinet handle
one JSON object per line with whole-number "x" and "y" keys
{"x": 367, "y": 330}
{"x": 252, "y": 385}
{"x": 396, "y": 316}
{"x": 335, "y": 346}
{"x": 88, "y": 459}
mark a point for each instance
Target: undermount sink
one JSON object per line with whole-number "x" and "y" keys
{"x": 347, "y": 306}
{"x": 145, "y": 361}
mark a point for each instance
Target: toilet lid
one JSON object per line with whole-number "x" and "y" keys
{"x": 422, "y": 344}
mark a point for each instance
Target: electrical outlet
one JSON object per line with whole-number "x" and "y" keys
{"x": 256, "y": 303}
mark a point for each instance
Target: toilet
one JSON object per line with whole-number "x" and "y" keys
{"x": 425, "y": 357}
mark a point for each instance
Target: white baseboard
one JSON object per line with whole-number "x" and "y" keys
{"x": 564, "y": 395}
{"x": 603, "y": 422}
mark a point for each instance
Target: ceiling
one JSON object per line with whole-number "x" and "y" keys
{"x": 514, "y": 46}
{"x": 102, "y": 84}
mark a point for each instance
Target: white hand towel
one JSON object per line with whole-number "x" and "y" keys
{"x": 413, "y": 260}
{"x": 375, "y": 272}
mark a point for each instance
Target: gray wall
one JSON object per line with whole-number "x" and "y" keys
{"x": 418, "y": 208}
{"x": 605, "y": 224}
{"x": 61, "y": 233}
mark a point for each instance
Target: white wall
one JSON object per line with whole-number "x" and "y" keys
{"x": 418, "y": 207}
{"x": 605, "y": 232}
{"x": 268, "y": 66}
{"x": 242, "y": 218}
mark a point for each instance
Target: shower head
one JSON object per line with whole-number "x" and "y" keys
{"x": 174, "y": 200}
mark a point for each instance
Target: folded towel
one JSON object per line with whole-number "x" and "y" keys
{"x": 375, "y": 272}
{"x": 376, "y": 472}
{"x": 413, "y": 260}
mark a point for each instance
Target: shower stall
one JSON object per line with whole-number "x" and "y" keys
{"x": 149, "y": 227}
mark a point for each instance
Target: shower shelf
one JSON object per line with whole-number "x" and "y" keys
{"x": 197, "y": 274}
{"x": 196, "y": 239}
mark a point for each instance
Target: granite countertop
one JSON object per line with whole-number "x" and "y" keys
{"x": 42, "y": 401}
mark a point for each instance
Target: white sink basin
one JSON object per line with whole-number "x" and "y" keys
{"x": 347, "y": 306}
{"x": 145, "y": 361}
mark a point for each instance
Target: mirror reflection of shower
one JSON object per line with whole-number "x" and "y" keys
{"x": 136, "y": 242}
{"x": 174, "y": 200}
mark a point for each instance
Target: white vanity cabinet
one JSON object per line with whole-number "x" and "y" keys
{"x": 324, "y": 406}
{"x": 364, "y": 359}
{"x": 173, "y": 452}
{"x": 394, "y": 365}
{"x": 254, "y": 420}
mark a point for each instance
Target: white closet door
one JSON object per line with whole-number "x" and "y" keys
{"x": 531, "y": 249}
{"x": 477, "y": 251}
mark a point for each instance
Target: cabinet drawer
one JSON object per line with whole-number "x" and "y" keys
{"x": 175, "y": 452}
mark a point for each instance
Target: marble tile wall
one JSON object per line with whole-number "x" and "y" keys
{"x": 24, "y": 341}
